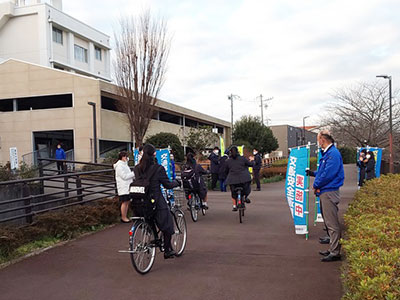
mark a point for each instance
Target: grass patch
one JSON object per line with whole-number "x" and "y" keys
{"x": 272, "y": 179}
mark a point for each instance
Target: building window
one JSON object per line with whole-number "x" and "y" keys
{"x": 170, "y": 118}
{"x": 6, "y": 105}
{"x": 80, "y": 53}
{"x": 58, "y": 67}
{"x": 57, "y": 36}
{"x": 97, "y": 52}
{"x": 41, "y": 102}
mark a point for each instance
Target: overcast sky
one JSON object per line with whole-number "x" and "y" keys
{"x": 296, "y": 51}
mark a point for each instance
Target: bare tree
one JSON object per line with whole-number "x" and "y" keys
{"x": 142, "y": 49}
{"x": 201, "y": 138}
{"x": 360, "y": 115}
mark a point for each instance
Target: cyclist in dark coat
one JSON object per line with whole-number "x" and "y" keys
{"x": 237, "y": 170}
{"x": 199, "y": 171}
{"x": 163, "y": 215}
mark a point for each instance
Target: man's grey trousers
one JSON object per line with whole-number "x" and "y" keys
{"x": 329, "y": 205}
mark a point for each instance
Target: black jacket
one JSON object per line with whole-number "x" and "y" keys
{"x": 257, "y": 162}
{"x": 214, "y": 163}
{"x": 222, "y": 167}
{"x": 159, "y": 177}
{"x": 199, "y": 171}
{"x": 237, "y": 170}
{"x": 370, "y": 169}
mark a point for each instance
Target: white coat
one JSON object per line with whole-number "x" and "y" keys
{"x": 123, "y": 176}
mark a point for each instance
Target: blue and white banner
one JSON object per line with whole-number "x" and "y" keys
{"x": 378, "y": 159}
{"x": 318, "y": 214}
{"x": 296, "y": 187}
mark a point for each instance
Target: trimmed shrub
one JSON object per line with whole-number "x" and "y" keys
{"x": 349, "y": 155}
{"x": 372, "y": 243}
{"x": 165, "y": 139}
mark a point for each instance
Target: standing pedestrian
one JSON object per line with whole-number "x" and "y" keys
{"x": 222, "y": 171}
{"x": 172, "y": 162}
{"x": 257, "y": 168}
{"x": 60, "y": 156}
{"x": 370, "y": 165}
{"x": 328, "y": 180}
{"x": 124, "y": 177}
{"x": 361, "y": 164}
{"x": 214, "y": 158}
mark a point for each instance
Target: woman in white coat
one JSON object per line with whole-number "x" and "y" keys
{"x": 124, "y": 177}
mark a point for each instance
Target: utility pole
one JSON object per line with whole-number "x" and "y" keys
{"x": 230, "y": 97}
{"x": 262, "y": 106}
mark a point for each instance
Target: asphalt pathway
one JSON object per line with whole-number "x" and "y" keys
{"x": 261, "y": 258}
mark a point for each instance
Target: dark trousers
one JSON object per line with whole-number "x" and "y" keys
{"x": 60, "y": 167}
{"x": 222, "y": 184}
{"x": 256, "y": 175}
{"x": 214, "y": 179}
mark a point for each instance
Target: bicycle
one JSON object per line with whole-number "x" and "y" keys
{"x": 240, "y": 203}
{"x": 195, "y": 204}
{"x": 145, "y": 237}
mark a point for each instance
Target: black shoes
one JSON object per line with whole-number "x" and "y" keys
{"x": 324, "y": 240}
{"x": 234, "y": 208}
{"x": 257, "y": 190}
{"x": 247, "y": 200}
{"x": 331, "y": 257}
{"x": 324, "y": 253}
{"x": 169, "y": 254}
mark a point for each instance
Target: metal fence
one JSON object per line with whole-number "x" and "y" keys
{"x": 21, "y": 200}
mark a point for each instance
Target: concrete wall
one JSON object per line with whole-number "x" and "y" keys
{"x": 19, "y": 38}
{"x": 18, "y": 79}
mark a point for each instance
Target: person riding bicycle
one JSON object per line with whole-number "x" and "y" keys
{"x": 163, "y": 216}
{"x": 200, "y": 188}
{"x": 238, "y": 175}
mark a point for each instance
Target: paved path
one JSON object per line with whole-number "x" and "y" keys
{"x": 259, "y": 259}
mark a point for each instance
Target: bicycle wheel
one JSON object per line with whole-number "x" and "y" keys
{"x": 141, "y": 243}
{"x": 179, "y": 238}
{"x": 193, "y": 210}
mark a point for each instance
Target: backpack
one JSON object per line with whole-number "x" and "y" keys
{"x": 142, "y": 202}
{"x": 190, "y": 179}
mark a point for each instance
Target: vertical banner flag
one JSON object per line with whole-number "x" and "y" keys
{"x": 378, "y": 159}
{"x": 136, "y": 156}
{"x": 317, "y": 209}
{"x": 163, "y": 159}
{"x": 222, "y": 145}
{"x": 296, "y": 187}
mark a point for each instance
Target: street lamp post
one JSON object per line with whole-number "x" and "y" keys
{"x": 304, "y": 129}
{"x": 94, "y": 131}
{"x": 391, "y": 158}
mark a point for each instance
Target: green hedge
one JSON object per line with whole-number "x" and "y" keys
{"x": 283, "y": 163}
{"x": 349, "y": 155}
{"x": 372, "y": 243}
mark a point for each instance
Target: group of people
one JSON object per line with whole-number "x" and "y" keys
{"x": 366, "y": 166}
{"x": 236, "y": 173}
{"x": 219, "y": 172}
{"x": 328, "y": 180}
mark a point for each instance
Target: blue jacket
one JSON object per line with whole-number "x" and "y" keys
{"x": 330, "y": 175}
{"x": 60, "y": 154}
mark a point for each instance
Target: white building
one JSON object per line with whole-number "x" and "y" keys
{"x": 38, "y": 31}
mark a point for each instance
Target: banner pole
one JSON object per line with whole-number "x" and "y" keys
{"x": 308, "y": 188}
{"x": 316, "y": 198}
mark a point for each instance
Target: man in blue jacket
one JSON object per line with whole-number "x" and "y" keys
{"x": 61, "y": 156}
{"x": 328, "y": 180}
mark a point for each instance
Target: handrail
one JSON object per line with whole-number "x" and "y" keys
{"x": 54, "y": 176}
{"x": 76, "y": 162}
